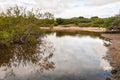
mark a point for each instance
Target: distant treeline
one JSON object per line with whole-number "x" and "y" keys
{"x": 18, "y": 25}
{"x": 111, "y": 23}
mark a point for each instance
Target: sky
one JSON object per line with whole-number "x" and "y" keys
{"x": 69, "y": 8}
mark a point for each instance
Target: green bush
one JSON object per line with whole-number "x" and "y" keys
{"x": 115, "y": 24}
{"x": 74, "y": 20}
{"x": 108, "y": 21}
{"x": 31, "y": 40}
{"x": 97, "y": 25}
{"x": 17, "y": 23}
{"x": 55, "y": 23}
{"x": 84, "y": 24}
{"x": 85, "y": 20}
{"x": 94, "y": 18}
{"x": 4, "y": 35}
{"x": 99, "y": 21}
{"x": 60, "y": 21}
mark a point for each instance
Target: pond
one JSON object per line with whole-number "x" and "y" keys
{"x": 57, "y": 56}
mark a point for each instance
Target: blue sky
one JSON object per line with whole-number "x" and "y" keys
{"x": 69, "y": 8}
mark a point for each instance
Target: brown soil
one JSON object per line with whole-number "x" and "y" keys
{"x": 73, "y": 28}
{"x": 114, "y": 55}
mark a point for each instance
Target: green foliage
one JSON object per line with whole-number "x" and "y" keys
{"x": 113, "y": 23}
{"x": 31, "y": 40}
{"x": 85, "y": 20}
{"x": 108, "y": 21}
{"x": 81, "y": 17}
{"x": 74, "y": 20}
{"x": 98, "y": 22}
{"x": 55, "y": 23}
{"x": 84, "y": 24}
{"x": 16, "y": 24}
{"x": 116, "y": 23}
{"x": 63, "y": 21}
{"x": 4, "y": 34}
{"x": 97, "y": 25}
{"x": 94, "y": 18}
{"x": 59, "y": 20}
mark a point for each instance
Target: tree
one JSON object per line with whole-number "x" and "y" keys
{"x": 113, "y": 23}
{"x": 17, "y": 24}
{"x": 60, "y": 20}
{"x": 94, "y": 18}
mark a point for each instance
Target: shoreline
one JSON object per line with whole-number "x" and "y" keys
{"x": 74, "y": 29}
{"x": 113, "y": 54}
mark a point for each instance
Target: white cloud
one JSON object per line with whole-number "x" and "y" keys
{"x": 88, "y": 11}
{"x": 103, "y": 2}
{"x": 69, "y": 8}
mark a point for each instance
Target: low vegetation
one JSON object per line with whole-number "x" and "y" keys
{"x": 82, "y": 22}
{"x": 18, "y": 25}
{"x": 111, "y": 23}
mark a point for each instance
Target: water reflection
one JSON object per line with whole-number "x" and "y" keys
{"x": 76, "y": 57}
{"x": 20, "y": 61}
{"x": 84, "y": 58}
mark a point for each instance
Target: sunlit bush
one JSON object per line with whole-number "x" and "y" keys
{"x": 17, "y": 23}
{"x": 84, "y": 25}
{"x": 113, "y": 23}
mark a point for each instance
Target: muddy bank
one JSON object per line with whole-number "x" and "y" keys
{"x": 74, "y": 29}
{"x": 114, "y": 55}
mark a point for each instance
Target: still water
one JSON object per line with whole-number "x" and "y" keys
{"x": 57, "y": 57}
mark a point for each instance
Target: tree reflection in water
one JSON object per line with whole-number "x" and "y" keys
{"x": 77, "y": 57}
{"x": 35, "y": 56}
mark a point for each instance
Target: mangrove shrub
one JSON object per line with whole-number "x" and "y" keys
{"x": 17, "y": 24}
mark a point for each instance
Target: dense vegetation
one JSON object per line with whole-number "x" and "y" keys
{"x": 18, "y": 25}
{"x": 111, "y": 23}
{"x": 82, "y": 22}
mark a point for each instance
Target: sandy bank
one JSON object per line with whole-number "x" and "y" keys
{"x": 114, "y": 55}
{"x": 74, "y": 29}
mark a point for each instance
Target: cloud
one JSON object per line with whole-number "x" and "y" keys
{"x": 88, "y": 11}
{"x": 103, "y": 2}
{"x": 69, "y": 8}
